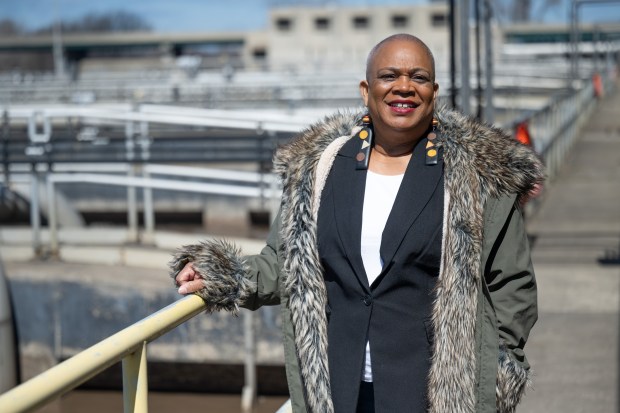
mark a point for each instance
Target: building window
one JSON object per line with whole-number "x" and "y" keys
{"x": 321, "y": 23}
{"x": 284, "y": 24}
{"x": 361, "y": 22}
{"x": 439, "y": 19}
{"x": 259, "y": 53}
{"x": 399, "y": 20}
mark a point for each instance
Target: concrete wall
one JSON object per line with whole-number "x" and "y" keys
{"x": 63, "y": 308}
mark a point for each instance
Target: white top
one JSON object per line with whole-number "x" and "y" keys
{"x": 379, "y": 198}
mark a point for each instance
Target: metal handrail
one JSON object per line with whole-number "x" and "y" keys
{"x": 128, "y": 345}
{"x": 556, "y": 127}
{"x": 178, "y": 116}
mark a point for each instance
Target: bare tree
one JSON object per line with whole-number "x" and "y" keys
{"x": 10, "y": 27}
{"x": 18, "y": 60}
{"x": 115, "y": 21}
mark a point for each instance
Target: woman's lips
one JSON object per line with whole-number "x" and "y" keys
{"x": 402, "y": 107}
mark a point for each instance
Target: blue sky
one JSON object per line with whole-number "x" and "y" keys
{"x": 217, "y": 15}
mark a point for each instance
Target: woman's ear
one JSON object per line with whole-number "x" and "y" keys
{"x": 364, "y": 91}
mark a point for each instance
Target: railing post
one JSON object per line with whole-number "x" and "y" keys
{"x": 149, "y": 211}
{"x": 135, "y": 382}
{"x": 132, "y": 208}
{"x": 248, "y": 395}
{"x": 132, "y": 212}
{"x": 275, "y": 199}
{"x": 489, "y": 108}
{"x": 35, "y": 211}
{"x": 262, "y": 145}
{"x": 465, "y": 91}
{"x": 574, "y": 41}
{"x": 6, "y": 127}
{"x": 51, "y": 215}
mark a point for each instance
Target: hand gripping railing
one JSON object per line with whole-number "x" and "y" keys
{"x": 128, "y": 345}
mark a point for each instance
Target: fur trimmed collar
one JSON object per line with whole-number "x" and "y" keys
{"x": 503, "y": 164}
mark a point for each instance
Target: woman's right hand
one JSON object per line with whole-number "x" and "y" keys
{"x": 189, "y": 280}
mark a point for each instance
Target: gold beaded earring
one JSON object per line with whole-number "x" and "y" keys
{"x": 431, "y": 149}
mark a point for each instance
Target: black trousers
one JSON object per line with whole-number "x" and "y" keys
{"x": 366, "y": 399}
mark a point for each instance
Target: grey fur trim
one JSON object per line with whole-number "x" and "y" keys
{"x": 223, "y": 270}
{"x": 302, "y": 269}
{"x": 512, "y": 381}
{"x": 305, "y": 150}
{"x": 488, "y": 163}
{"x": 452, "y": 375}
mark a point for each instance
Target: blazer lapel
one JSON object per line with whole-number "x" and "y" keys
{"x": 348, "y": 189}
{"x": 417, "y": 188}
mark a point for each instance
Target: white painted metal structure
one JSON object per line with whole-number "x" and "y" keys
{"x": 170, "y": 115}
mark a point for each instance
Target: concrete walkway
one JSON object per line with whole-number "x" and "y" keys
{"x": 574, "y": 347}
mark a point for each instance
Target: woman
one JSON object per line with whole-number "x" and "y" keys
{"x": 398, "y": 258}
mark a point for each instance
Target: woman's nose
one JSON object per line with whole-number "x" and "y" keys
{"x": 403, "y": 84}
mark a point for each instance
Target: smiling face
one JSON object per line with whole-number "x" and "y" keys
{"x": 400, "y": 89}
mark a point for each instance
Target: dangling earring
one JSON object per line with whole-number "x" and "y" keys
{"x": 431, "y": 149}
{"x": 365, "y": 135}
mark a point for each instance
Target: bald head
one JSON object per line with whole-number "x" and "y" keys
{"x": 398, "y": 37}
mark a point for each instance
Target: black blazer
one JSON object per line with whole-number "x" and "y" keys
{"x": 393, "y": 312}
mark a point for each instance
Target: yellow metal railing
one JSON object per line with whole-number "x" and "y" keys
{"x": 128, "y": 345}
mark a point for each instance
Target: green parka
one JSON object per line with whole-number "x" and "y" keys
{"x": 485, "y": 303}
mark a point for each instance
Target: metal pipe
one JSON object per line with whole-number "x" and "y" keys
{"x": 452, "y": 55}
{"x": 478, "y": 61}
{"x": 71, "y": 373}
{"x": 144, "y": 141}
{"x": 170, "y": 119}
{"x": 489, "y": 107}
{"x": 465, "y": 91}
{"x": 274, "y": 204}
{"x": 220, "y": 174}
{"x": 59, "y": 60}
{"x": 51, "y": 215}
{"x": 35, "y": 211}
{"x": 574, "y": 42}
{"x": 596, "y": 39}
{"x": 6, "y": 127}
{"x": 135, "y": 381}
{"x": 169, "y": 184}
{"x": 132, "y": 210}
{"x": 248, "y": 395}
{"x": 149, "y": 212}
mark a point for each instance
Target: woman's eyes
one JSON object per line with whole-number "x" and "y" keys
{"x": 387, "y": 77}
{"x": 415, "y": 77}
{"x": 420, "y": 78}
